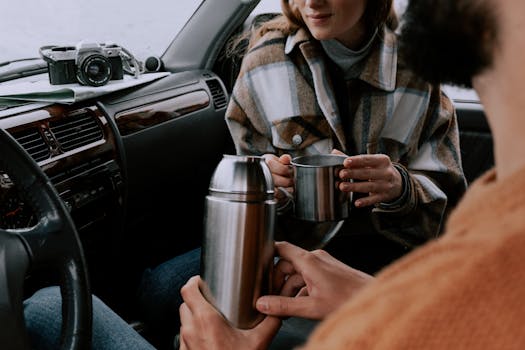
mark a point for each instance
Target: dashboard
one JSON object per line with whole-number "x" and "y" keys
{"x": 131, "y": 164}
{"x": 81, "y": 147}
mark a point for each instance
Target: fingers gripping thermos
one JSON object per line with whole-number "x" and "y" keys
{"x": 237, "y": 254}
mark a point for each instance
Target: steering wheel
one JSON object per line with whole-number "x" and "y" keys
{"x": 53, "y": 242}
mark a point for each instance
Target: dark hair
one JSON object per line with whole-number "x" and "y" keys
{"x": 451, "y": 42}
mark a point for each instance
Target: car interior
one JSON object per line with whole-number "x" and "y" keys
{"x": 132, "y": 168}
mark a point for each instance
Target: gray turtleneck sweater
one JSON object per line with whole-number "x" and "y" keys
{"x": 349, "y": 61}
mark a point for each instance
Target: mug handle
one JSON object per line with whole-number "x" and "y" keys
{"x": 289, "y": 202}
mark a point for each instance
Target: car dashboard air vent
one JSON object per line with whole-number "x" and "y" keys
{"x": 32, "y": 141}
{"x": 219, "y": 98}
{"x": 77, "y": 130}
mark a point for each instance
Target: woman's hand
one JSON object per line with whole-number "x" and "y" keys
{"x": 373, "y": 174}
{"x": 203, "y": 327}
{"x": 282, "y": 173}
{"x": 312, "y": 284}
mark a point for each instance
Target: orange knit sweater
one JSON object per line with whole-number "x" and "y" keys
{"x": 465, "y": 290}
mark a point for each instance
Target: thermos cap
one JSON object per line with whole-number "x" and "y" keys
{"x": 244, "y": 175}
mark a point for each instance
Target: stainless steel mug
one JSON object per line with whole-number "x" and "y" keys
{"x": 237, "y": 253}
{"x": 316, "y": 196}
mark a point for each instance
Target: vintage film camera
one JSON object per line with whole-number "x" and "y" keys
{"x": 86, "y": 63}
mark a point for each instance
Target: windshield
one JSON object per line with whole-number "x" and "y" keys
{"x": 145, "y": 28}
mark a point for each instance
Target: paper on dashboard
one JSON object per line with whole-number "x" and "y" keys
{"x": 43, "y": 91}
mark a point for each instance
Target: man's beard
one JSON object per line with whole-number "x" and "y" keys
{"x": 448, "y": 41}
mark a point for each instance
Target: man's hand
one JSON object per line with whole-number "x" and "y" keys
{"x": 375, "y": 175}
{"x": 203, "y": 327}
{"x": 312, "y": 284}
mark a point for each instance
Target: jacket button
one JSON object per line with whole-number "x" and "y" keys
{"x": 297, "y": 140}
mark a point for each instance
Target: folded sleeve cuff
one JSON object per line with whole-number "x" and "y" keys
{"x": 402, "y": 203}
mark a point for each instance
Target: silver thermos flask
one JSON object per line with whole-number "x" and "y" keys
{"x": 237, "y": 253}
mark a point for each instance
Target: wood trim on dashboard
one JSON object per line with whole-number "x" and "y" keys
{"x": 143, "y": 117}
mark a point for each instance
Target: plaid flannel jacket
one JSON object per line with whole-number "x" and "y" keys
{"x": 284, "y": 102}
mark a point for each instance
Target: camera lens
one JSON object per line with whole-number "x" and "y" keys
{"x": 94, "y": 70}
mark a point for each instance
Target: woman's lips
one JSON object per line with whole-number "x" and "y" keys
{"x": 319, "y": 18}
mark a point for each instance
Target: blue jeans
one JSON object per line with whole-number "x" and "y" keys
{"x": 159, "y": 296}
{"x": 43, "y": 318}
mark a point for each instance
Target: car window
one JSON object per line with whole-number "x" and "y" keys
{"x": 144, "y": 28}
